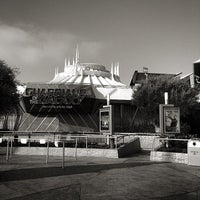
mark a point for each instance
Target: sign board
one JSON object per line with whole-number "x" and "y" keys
{"x": 55, "y": 97}
{"x": 106, "y": 120}
{"x": 171, "y": 120}
{"x": 169, "y": 117}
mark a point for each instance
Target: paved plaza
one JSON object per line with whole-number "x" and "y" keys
{"x": 136, "y": 177}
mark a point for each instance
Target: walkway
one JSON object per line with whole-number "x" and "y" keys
{"x": 29, "y": 178}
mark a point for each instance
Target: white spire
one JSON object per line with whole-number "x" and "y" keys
{"x": 77, "y": 55}
{"x": 68, "y": 62}
{"x": 115, "y": 69}
{"x": 65, "y": 67}
{"x": 56, "y": 71}
{"x": 73, "y": 62}
{"x": 81, "y": 71}
{"x": 65, "y": 62}
{"x": 118, "y": 69}
{"x": 112, "y": 71}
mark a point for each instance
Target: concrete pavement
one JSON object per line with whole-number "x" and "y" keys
{"x": 136, "y": 177}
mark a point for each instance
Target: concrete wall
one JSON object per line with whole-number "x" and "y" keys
{"x": 147, "y": 142}
{"x": 169, "y": 157}
{"x": 109, "y": 153}
{"x": 124, "y": 150}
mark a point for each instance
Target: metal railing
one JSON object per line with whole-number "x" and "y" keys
{"x": 169, "y": 144}
{"x": 10, "y": 138}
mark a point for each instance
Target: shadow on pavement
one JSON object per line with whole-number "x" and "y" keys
{"x": 42, "y": 172}
{"x": 71, "y": 192}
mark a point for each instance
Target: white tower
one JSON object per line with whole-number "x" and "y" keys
{"x": 77, "y": 55}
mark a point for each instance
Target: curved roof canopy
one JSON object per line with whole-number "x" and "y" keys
{"x": 104, "y": 82}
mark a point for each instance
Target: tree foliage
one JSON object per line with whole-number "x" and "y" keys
{"x": 150, "y": 94}
{"x": 8, "y": 89}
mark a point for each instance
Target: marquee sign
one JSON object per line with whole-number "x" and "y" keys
{"x": 55, "y": 96}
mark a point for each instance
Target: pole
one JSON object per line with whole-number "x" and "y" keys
{"x": 29, "y": 140}
{"x": 115, "y": 142}
{"x": 47, "y": 155}
{"x": 86, "y": 145}
{"x": 166, "y": 97}
{"x": 11, "y": 147}
{"x": 63, "y": 158}
{"x": 7, "y": 150}
{"x": 76, "y": 149}
{"x": 108, "y": 99}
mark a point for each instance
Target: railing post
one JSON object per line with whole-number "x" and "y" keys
{"x": 76, "y": 148}
{"x": 11, "y": 147}
{"x": 63, "y": 157}
{"x": 7, "y": 149}
{"x": 153, "y": 144}
{"x": 115, "y": 142}
{"x": 86, "y": 143}
{"x": 47, "y": 155}
{"x": 29, "y": 140}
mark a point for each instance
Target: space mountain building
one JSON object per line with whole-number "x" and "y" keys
{"x": 70, "y": 102}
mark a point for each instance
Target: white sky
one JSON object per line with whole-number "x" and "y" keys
{"x": 36, "y": 36}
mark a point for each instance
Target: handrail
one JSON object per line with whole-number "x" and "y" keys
{"x": 174, "y": 139}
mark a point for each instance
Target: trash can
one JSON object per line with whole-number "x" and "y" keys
{"x": 194, "y": 152}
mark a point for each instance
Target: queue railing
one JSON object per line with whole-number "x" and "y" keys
{"x": 57, "y": 139}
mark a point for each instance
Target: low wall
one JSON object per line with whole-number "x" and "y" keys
{"x": 169, "y": 157}
{"x": 53, "y": 151}
{"x": 147, "y": 142}
{"x": 124, "y": 150}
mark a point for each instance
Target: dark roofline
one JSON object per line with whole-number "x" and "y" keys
{"x": 139, "y": 76}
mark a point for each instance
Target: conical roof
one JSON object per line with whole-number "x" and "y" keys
{"x": 102, "y": 81}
